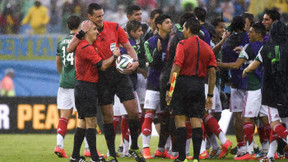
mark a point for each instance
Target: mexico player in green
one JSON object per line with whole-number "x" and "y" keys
{"x": 65, "y": 97}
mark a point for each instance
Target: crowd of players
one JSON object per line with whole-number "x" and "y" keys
{"x": 251, "y": 60}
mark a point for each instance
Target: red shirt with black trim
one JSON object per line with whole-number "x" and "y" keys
{"x": 191, "y": 61}
{"x": 109, "y": 38}
{"x": 86, "y": 58}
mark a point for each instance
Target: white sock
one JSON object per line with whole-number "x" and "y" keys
{"x": 222, "y": 138}
{"x": 265, "y": 145}
{"x": 60, "y": 141}
{"x": 250, "y": 148}
{"x": 168, "y": 143}
{"x": 213, "y": 141}
{"x": 86, "y": 144}
{"x": 146, "y": 140}
{"x": 125, "y": 147}
{"x": 208, "y": 143}
{"x": 203, "y": 146}
{"x": 272, "y": 148}
{"x": 188, "y": 146}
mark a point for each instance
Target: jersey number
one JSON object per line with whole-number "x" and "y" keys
{"x": 69, "y": 58}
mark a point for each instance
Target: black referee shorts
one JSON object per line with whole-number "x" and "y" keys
{"x": 86, "y": 99}
{"x": 112, "y": 82}
{"x": 189, "y": 97}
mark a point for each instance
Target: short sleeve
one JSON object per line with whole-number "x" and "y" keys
{"x": 212, "y": 60}
{"x": 259, "y": 56}
{"x": 243, "y": 54}
{"x": 122, "y": 35}
{"x": 180, "y": 55}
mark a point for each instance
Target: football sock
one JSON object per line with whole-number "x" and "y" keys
{"x": 267, "y": 129}
{"x": 261, "y": 133}
{"x": 272, "y": 148}
{"x": 188, "y": 129}
{"x": 61, "y": 132}
{"x": 168, "y": 143}
{"x": 91, "y": 139}
{"x": 164, "y": 129}
{"x": 147, "y": 124}
{"x": 116, "y": 120}
{"x": 134, "y": 129}
{"x": 213, "y": 141}
{"x": 203, "y": 145}
{"x": 197, "y": 139}
{"x": 124, "y": 128}
{"x": 86, "y": 144}
{"x": 212, "y": 124}
{"x": 181, "y": 136}
{"x": 280, "y": 130}
{"x": 187, "y": 146}
{"x": 110, "y": 138}
{"x": 240, "y": 143}
{"x": 78, "y": 139}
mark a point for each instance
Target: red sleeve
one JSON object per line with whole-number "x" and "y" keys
{"x": 91, "y": 55}
{"x": 212, "y": 60}
{"x": 122, "y": 35}
{"x": 179, "y": 56}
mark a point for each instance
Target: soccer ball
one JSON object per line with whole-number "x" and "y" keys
{"x": 123, "y": 62}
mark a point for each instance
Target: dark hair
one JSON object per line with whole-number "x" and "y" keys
{"x": 133, "y": 25}
{"x": 73, "y": 22}
{"x": 249, "y": 16}
{"x": 185, "y": 17}
{"x": 273, "y": 14}
{"x": 238, "y": 23}
{"x": 154, "y": 12}
{"x": 259, "y": 28}
{"x": 130, "y": 9}
{"x": 193, "y": 24}
{"x": 200, "y": 13}
{"x": 93, "y": 6}
{"x": 215, "y": 22}
{"x": 160, "y": 19}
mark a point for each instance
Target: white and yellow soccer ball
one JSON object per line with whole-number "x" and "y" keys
{"x": 123, "y": 62}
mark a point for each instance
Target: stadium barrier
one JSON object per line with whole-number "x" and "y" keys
{"x": 32, "y": 115}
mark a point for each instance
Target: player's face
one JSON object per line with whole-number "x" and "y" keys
{"x": 166, "y": 25}
{"x": 267, "y": 21}
{"x": 252, "y": 35}
{"x": 247, "y": 24}
{"x": 137, "y": 15}
{"x": 93, "y": 33}
{"x": 97, "y": 18}
{"x": 137, "y": 34}
{"x": 220, "y": 29}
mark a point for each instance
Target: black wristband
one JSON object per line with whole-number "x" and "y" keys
{"x": 80, "y": 34}
{"x": 135, "y": 60}
{"x": 168, "y": 85}
{"x": 115, "y": 57}
{"x": 210, "y": 95}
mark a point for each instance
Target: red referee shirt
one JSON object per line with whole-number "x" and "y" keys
{"x": 110, "y": 37}
{"x": 86, "y": 58}
{"x": 192, "y": 62}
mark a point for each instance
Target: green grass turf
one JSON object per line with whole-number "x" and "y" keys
{"x": 39, "y": 148}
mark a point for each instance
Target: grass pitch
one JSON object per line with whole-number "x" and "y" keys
{"x": 39, "y": 148}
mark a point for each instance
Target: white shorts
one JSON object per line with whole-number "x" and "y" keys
{"x": 237, "y": 100}
{"x": 217, "y": 106}
{"x": 273, "y": 114}
{"x": 253, "y": 104}
{"x": 141, "y": 88}
{"x": 65, "y": 99}
{"x": 119, "y": 109}
{"x": 152, "y": 100}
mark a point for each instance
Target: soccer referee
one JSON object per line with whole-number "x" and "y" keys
{"x": 193, "y": 59}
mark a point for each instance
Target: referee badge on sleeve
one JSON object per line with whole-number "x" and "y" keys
{"x": 112, "y": 46}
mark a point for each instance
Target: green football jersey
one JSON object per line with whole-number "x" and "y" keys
{"x": 68, "y": 75}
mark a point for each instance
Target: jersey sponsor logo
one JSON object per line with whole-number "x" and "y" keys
{"x": 4, "y": 116}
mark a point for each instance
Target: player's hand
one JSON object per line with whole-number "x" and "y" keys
{"x": 226, "y": 34}
{"x": 208, "y": 104}
{"x": 117, "y": 51}
{"x": 86, "y": 25}
{"x": 238, "y": 49}
{"x": 168, "y": 98}
{"x": 159, "y": 47}
{"x": 131, "y": 68}
{"x": 244, "y": 73}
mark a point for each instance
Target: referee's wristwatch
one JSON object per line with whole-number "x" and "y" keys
{"x": 209, "y": 95}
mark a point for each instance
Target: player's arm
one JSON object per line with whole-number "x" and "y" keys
{"x": 130, "y": 50}
{"x": 211, "y": 84}
{"x": 106, "y": 63}
{"x": 232, "y": 65}
{"x": 59, "y": 64}
{"x": 218, "y": 46}
{"x": 253, "y": 66}
{"x": 85, "y": 26}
